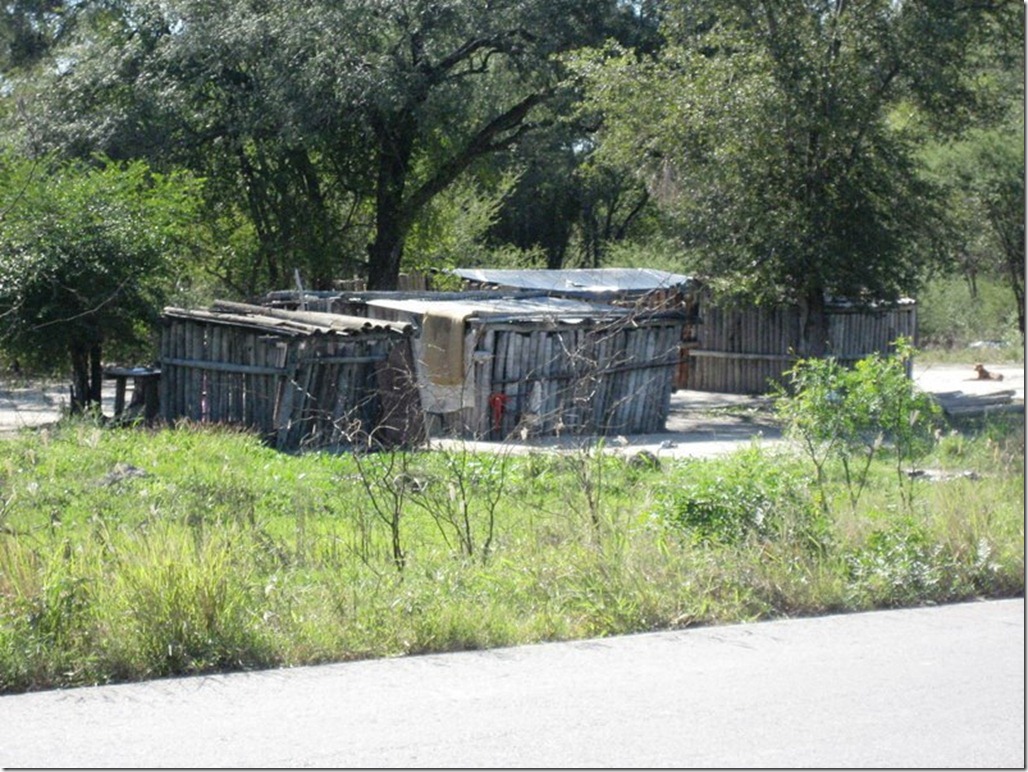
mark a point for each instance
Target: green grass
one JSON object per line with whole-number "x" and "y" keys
{"x": 129, "y": 554}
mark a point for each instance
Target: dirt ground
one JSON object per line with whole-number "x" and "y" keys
{"x": 699, "y": 424}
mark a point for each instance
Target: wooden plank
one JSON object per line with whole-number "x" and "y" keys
{"x": 182, "y": 377}
{"x": 194, "y": 397}
{"x": 164, "y": 385}
{"x": 286, "y": 396}
{"x": 248, "y": 355}
{"x": 225, "y": 367}
{"x": 213, "y": 381}
{"x": 739, "y": 355}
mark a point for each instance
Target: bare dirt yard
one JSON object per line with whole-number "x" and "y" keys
{"x": 699, "y": 424}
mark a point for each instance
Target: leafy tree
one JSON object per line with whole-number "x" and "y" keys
{"x": 86, "y": 254}
{"x": 335, "y": 123}
{"x": 452, "y": 230}
{"x": 29, "y": 29}
{"x": 779, "y": 133}
{"x": 564, "y": 204}
{"x": 983, "y": 176}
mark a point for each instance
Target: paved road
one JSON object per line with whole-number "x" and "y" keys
{"x": 938, "y": 687}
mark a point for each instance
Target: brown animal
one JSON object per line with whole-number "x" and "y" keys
{"x": 985, "y": 375}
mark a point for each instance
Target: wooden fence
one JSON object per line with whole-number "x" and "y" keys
{"x": 607, "y": 377}
{"x": 299, "y": 379}
{"x": 744, "y": 350}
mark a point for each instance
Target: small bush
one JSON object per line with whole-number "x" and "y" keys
{"x": 850, "y": 416}
{"x": 725, "y": 500}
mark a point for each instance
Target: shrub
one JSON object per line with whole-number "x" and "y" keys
{"x": 849, "y": 415}
{"x": 725, "y": 500}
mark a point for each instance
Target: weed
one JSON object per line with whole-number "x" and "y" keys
{"x": 221, "y": 554}
{"x": 725, "y": 500}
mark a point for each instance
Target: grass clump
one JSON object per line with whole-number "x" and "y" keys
{"x": 128, "y": 554}
{"x": 752, "y": 493}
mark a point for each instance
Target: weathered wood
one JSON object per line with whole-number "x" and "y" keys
{"x": 295, "y": 389}
{"x": 739, "y": 355}
{"x": 746, "y": 349}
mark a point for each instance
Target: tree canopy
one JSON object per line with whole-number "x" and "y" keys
{"x": 85, "y": 257}
{"x": 330, "y": 125}
{"x": 784, "y": 137}
{"x": 791, "y": 151}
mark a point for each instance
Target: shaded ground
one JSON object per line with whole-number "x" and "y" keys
{"x": 699, "y": 424}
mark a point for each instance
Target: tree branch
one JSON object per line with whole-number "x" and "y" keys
{"x": 488, "y": 139}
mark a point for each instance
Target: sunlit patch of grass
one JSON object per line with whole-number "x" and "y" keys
{"x": 128, "y": 554}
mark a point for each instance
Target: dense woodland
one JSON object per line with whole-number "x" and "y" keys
{"x": 784, "y": 150}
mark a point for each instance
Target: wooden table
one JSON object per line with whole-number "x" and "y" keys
{"x": 145, "y": 378}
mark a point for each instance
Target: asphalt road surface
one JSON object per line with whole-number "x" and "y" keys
{"x": 930, "y": 687}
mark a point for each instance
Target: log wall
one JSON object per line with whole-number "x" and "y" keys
{"x": 744, "y": 350}
{"x": 296, "y": 390}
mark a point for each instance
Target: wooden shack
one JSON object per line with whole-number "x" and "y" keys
{"x": 639, "y": 288}
{"x": 495, "y": 365}
{"x": 729, "y": 348}
{"x": 743, "y": 349}
{"x": 300, "y": 379}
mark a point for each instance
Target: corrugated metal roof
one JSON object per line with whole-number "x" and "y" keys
{"x": 288, "y": 323}
{"x": 577, "y": 280}
{"x": 524, "y": 308}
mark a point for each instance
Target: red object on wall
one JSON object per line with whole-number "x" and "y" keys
{"x": 498, "y": 402}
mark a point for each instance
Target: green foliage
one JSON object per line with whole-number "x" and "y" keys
{"x": 29, "y": 29}
{"x": 847, "y": 415}
{"x": 126, "y": 554}
{"x": 951, "y": 315}
{"x": 86, "y": 253}
{"x": 451, "y": 231}
{"x": 895, "y": 567}
{"x": 329, "y": 128}
{"x": 750, "y": 493}
{"x": 565, "y": 205}
{"x": 983, "y": 176}
{"x": 767, "y": 130}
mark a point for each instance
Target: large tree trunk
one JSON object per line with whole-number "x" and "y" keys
{"x": 384, "y": 255}
{"x": 395, "y": 145}
{"x": 96, "y": 376}
{"x": 814, "y": 316}
{"x": 79, "y": 378}
{"x": 86, "y": 377}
